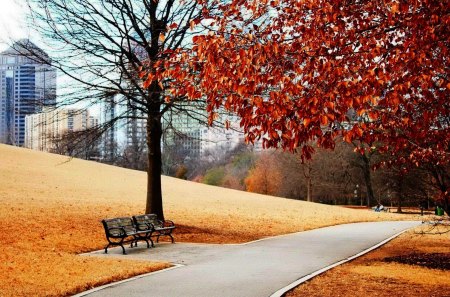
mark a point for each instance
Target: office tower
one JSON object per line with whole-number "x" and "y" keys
{"x": 136, "y": 131}
{"x": 27, "y": 85}
{"x": 108, "y": 114}
{"x": 194, "y": 138}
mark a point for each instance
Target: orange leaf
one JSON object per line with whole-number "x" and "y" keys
{"x": 348, "y": 136}
{"x": 241, "y": 90}
{"x": 373, "y": 115}
{"x": 306, "y": 122}
{"x": 147, "y": 83}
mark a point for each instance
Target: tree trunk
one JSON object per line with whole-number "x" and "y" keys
{"x": 399, "y": 202}
{"x": 400, "y": 194}
{"x": 307, "y": 173}
{"x": 368, "y": 179}
{"x": 154, "y": 193}
{"x": 308, "y": 189}
{"x": 446, "y": 205}
{"x": 442, "y": 181}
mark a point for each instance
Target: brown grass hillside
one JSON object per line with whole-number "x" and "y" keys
{"x": 52, "y": 207}
{"x": 377, "y": 274}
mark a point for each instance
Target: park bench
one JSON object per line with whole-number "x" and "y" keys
{"x": 161, "y": 228}
{"x": 120, "y": 231}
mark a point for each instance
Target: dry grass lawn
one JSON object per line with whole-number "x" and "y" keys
{"x": 371, "y": 275}
{"x": 52, "y": 207}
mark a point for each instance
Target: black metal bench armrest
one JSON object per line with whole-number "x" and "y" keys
{"x": 166, "y": 223}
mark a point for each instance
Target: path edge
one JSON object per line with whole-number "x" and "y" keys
{"x": 85, "y": 293}
{"x": 305, "y": 278}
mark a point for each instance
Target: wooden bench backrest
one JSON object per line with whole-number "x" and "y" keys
{"x": 126, "y": 223}
{"x": 147, "y": 219}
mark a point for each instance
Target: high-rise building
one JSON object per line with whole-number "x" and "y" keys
{"x": 45, "y": 130}
{"x": 108, "y": 113}
{"x": 136, "y": 131}
{"x": 193, "y": 137}
{"x": 26, "y": 86}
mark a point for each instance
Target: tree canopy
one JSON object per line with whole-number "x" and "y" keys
{"x": 298, "y": 72}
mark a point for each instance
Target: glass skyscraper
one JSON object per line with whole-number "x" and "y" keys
{"x": 27, "y": 84}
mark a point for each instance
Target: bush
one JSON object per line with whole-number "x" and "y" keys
{"x": 214, "y": 176}
{"x": 181, "y": 172}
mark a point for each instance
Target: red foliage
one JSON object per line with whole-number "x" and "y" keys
{"x": 302, "y": 71}
{"x": 296, "y": 76}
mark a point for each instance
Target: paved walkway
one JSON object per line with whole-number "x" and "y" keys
{"x": 256, "y": 269}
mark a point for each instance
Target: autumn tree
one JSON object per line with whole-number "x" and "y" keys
{"x": 293, "y": 70}
{"x": 265, "y": 177}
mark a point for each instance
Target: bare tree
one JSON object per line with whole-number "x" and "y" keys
{"x": 365, "y": 161}
{"x": 80, "y": 144}
{"x": 110, "y": 48}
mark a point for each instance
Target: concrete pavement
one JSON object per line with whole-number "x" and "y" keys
{"x": 256, "y": 269}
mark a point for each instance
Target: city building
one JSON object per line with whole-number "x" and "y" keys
{"x": 195, "y": 138}
{"x": 218, "y": 140}
{"x": 27, "y": 85}
{"x": 44, "y": 130}
{"x": 93, "y": 121}
{"x": 136, "y": 130}
{"x": 108, "y": 114}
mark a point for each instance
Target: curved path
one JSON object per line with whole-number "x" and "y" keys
{"x": 258, "y": 268}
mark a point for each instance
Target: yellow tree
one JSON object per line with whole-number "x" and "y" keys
{"x": 265, "y": 177}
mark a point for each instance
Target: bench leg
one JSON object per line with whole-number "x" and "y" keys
{"x": 115, "y": 243}
{"x": 106, "y": 248}
{"x": 121, "y": 245}
{"x": 123, "y": 249}
{"x": 163, "y": 234}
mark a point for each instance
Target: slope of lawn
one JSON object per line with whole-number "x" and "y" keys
{"x": 51, "y": 208}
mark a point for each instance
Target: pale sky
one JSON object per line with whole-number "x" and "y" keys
{"x": 12, "y": 21}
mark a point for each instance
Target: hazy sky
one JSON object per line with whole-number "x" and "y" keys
{"x": 12, "y": 21}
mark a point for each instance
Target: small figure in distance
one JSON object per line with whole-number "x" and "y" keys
{"x": 379, "y": 207}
